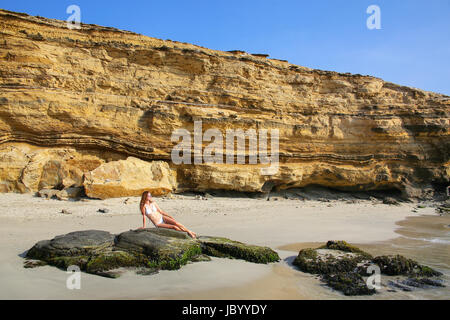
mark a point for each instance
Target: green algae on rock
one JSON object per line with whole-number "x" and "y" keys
{"x": 144, "y": 250}
{"x": 395, "y": 265}
{"x": 349, "y": 283}
{"x": 334, "y": 257}
{"x": 226, "y": 248}
{"x": 164, "y": 248}
{"x": 342, "y": 267}
{"x": 346, "y": 247}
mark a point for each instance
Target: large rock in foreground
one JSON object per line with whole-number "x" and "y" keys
{"x": 345, "y": 268}
{"x": 145, "y": 250}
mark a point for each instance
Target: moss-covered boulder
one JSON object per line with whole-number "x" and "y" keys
{"x": 326, "y": 261}
{"x": 75, "y": 248}
{"x": 345, "y": 247}
{"x": 79, "y": 243}
{"x": 344, "y": 267}
{"x": 349, "y": 283}
{"x": 108, "y": 264}
{"x": 226, "y": 248}
{"x": 144, "y": 250}
{"x": 395, "y": 265}
{"x": 164, "y": 248}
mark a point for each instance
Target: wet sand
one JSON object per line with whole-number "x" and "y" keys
{"x": 284, "y": 225}
{"x": 424, "y": 238}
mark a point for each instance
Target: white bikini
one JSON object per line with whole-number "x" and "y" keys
{"x": 152, "y": 212}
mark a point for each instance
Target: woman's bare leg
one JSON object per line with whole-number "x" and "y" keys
{"x": 169, "y": 226}
{"x": 179, "y": 225}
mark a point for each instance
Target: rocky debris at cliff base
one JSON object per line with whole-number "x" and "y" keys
{"x": 391, "y": 201}
{"x": 444, "y": 208}
{"x": 144, "y": 250}
{"x": 345, "y": 268}
{"x": 313, "y": 192}
{"x": 64, "y": 194}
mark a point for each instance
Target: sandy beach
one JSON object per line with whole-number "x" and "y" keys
{"x": 284, "y": 225}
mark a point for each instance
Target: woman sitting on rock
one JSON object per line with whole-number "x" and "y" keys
{"x": 159, "y": 217}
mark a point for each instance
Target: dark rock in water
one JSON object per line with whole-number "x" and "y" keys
{"x": 349, "y": 283}
{"x": 145, "y": 250}
{"x": 337, "y": 262}
{"x": 409, "y": 284}
{"x": 400, "y": 286}
{"x": 324, "y": 262}
{"x": 423, "y": 283}
{"x": 335, "y": 256}
{"x": 399, "y": 265}
{"x": 342, "y": 267}
{"x": 344, "y": 246}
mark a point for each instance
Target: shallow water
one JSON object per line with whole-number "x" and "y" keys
{"x": 425, "y": 239}
{"x": 422, "y": 238}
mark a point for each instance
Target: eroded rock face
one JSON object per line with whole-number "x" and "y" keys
{"x": 129, "y": 177}
{"x": 144, "y": 250}
{"x": 27, "y": 168}
{"x": 345, "y": 268}
{"x": 110, "y": 94}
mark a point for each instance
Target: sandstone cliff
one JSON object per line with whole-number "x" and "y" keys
{"x": 72, "y": 101}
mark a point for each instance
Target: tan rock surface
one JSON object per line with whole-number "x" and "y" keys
{"x": 27, "y": 168}
{"x": 129, "y": 177}
{"x": 108, "y": 94}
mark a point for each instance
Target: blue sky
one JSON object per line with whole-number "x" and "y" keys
{"x": 412, "y": 48}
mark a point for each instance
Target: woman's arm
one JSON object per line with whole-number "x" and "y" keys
{"x": 143, "y": 219}
{"x": 162, "y": 212}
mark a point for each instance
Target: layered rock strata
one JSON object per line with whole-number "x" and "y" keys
{"x": 72, "y": 101}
